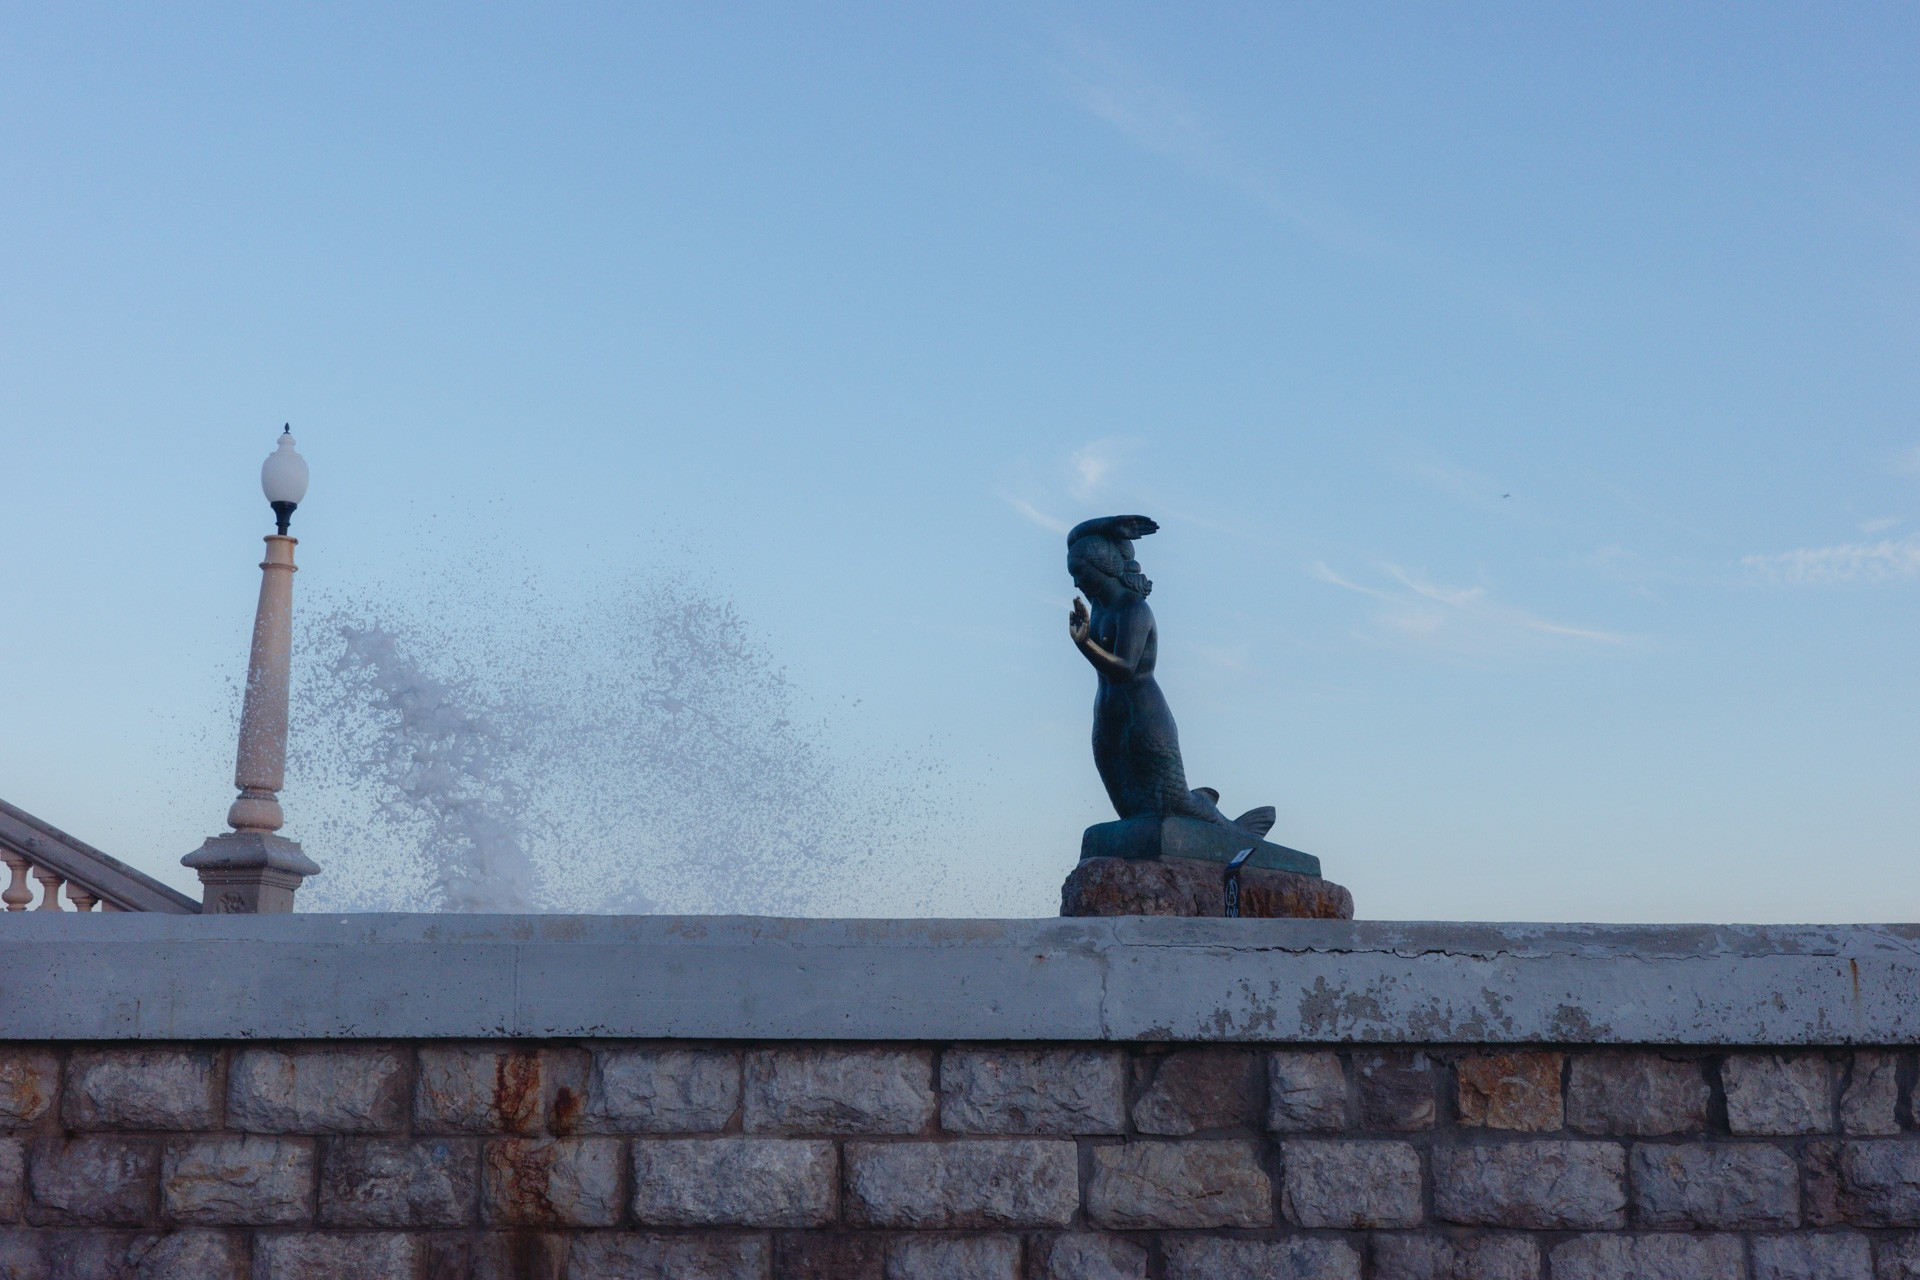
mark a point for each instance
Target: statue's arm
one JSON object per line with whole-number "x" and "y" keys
{"x": 1130, "y": 641}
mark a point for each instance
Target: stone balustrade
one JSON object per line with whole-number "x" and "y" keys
{"x": 19, "y": 895}
{"x": 72, "y": 875}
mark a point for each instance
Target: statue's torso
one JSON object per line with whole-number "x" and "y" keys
{"x": 1106, "y": 626}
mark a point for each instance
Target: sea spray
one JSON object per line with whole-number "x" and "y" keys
{"x": 638, "y": 750}
{"x": 437, "y": 771}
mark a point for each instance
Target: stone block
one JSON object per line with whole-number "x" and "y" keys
{"x": 23, "y": 1255}
{"x": 29, "y": 1083}
{"x": 1398, "y": 1256}
{"x": 1190, "y": 1090}
{"x": 1644, "y": 1094}
{"x": 1812, "y": 1256}
{"x": 611, "y": 1255}
{"x": 13, "y": 1179}
{"x": 1870, "y": 1095}
{"x": 141, "y": 1089}
{"x": 487, "y": 1089}
{"x": 661, "y": 1090}
{"x": 317, "y": 1090}
{"x": 1033, "y": 1091}
{"x": 1350, "y": 1185}
{"x": 1519, "y": 1091}
{"x": 94, "y": 1180}
{"x": 246, "y": 1181}
{"x": 497, "y": 1255}
{"x": 1085, "y": 1256}
{"x": 953, "y": 1258}
{"x": 830, "y": 1255}
{"x": 735, "y": 1182}
{"x": 316, "y": 1255}
{"x": 1189, "y": 887}
{"x": 551, "y": 1182}
{"x": 86, "y": 1254}
{"x": 1670, "y": 1256}
{"x": 186, "y": 1255}
{"x": 1306, "y": 1093}
{"x": 1771, "y": 1093}
{"x": 832, "y": 1090}
{"x": 1873, "y": 1182}
{"x": 1715, "y": 1184}
{"x": 1396, "y": 1091}
{"x": 1142, "y": 1185}
{"x": 129, "y": 1255}
{"x": 963, "y": 1184}
{"x": 1301, "y": 1258}
{"x": 1532, "y": 1185}
{"x": 400, "y": 1182}
{"x": 1899, "y": 1259}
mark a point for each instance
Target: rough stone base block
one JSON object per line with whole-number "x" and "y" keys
{"x": 1184, "y": 887}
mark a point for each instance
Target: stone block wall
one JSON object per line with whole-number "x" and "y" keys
{"x": 597, "y": 1159}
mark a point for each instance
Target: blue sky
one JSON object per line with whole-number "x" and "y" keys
{"x": 1528, "y": 397}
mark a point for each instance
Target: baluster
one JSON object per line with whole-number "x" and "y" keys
{"x": 50, "y": 882}
{"x": 18, "y": 893}
{"x": 110, "y": 906}
{"x": 81, "y": 897}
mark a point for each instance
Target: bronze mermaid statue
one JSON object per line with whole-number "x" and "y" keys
{"x": 1135, "y": 745}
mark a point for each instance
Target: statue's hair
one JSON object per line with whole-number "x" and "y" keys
{"x": 1120, "y": 528}
{"x": 1108, "y": 542}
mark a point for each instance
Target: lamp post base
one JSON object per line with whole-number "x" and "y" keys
{"x": 249, "y": 872}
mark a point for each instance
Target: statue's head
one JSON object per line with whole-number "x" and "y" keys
{"x": 1100, "y": 556}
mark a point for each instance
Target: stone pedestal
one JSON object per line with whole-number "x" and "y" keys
{"x": 1178, "y": 837}
{"x": 1187, "y": 887}
{"x": 244, "y": 872}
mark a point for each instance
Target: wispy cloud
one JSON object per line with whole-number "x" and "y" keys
{"x": 1033, "y": 514}
{"x": 1162, "y": 120}
{"x": 1082, "y": 476}
{"x": 1092, "y": 463}
{"x": 1880, "y": 524}
{"x": 1461, "y": 620}
{"x": 1888, "y": 560}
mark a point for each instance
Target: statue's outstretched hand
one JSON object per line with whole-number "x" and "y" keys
{"x": 1079, "y": 624}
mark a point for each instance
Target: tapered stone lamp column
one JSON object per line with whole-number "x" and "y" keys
{"x": 250, "y": 868}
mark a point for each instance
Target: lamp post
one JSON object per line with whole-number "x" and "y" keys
{"x": 250, "y": 869}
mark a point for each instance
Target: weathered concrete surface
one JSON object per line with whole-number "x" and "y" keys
{"x": 146, "y": 976}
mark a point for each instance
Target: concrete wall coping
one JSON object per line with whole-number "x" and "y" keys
{"x": 162, "y": 977}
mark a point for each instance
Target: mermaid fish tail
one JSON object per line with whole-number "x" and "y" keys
{"x": 1258, "y": 821}
{"x": 1206, "y": 806}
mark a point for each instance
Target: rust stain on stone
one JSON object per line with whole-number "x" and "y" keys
{"x": 516, "y": 1089}
{"x": 566, "y": 1110}
{"x": 20, "y": 1098}
{"x": 1518, "y": 1090}
{"x": 526, "y": 1179}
